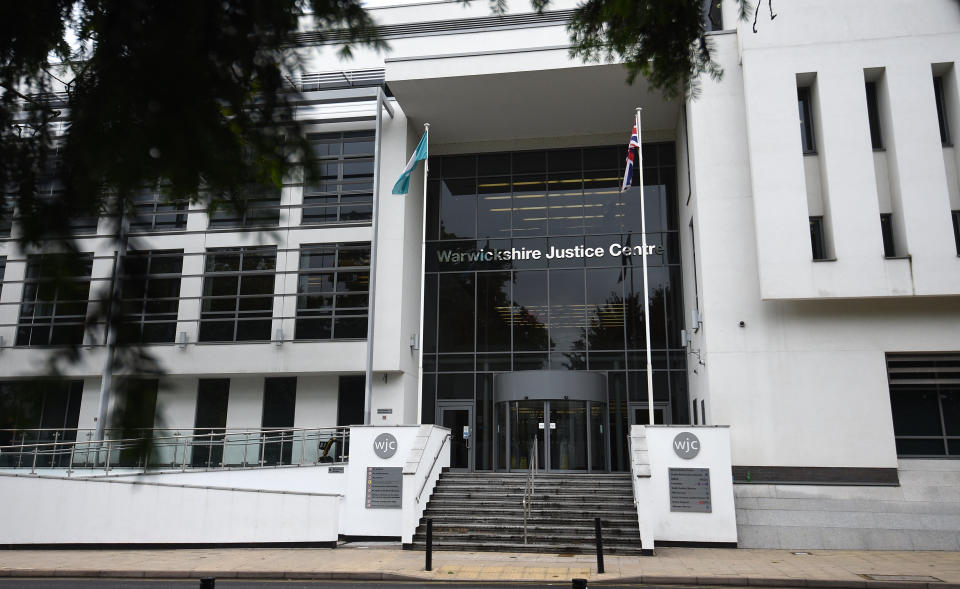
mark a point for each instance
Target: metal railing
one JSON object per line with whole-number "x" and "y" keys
{"x": 443, "y": 442}
{"x": 530, "y": 488}
{"x": 173, "y": 449}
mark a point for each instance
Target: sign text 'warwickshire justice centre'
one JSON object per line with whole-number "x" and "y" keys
{"x": 551, "y": 253}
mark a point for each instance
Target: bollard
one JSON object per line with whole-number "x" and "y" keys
{"x": 207, "y": 582}
{"x": 429, "y": 565}
{"x": 579, "y": 584}
{"x": 596, "y": 524}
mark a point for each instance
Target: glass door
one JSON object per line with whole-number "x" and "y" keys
{"x": 563, "y": 435}
{"x": 568, "y": 435}
{"x": 527, "y": 427}
{"x": 459, "y": 418}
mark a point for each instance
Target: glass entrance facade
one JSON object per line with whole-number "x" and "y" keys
{"x": 534, "y": 262}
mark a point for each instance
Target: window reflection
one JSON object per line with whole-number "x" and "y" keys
{"x": 485, "y": 314}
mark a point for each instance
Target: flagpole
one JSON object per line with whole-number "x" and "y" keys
{"x": 646, "y": 287}
{"x": 423, "y": 280}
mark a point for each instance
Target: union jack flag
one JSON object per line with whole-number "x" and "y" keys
{"x": 628, "y": 172}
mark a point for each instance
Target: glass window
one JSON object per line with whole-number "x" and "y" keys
{"x": 925, "y": 403}
{"x": 493, "y": 311}
{"x": 806, "y": 120}
{"x": 886, "y": 231}
{"x": 712, "y": 15}
{"x": 873, "y": 114}
{"x": 210, "y": 422}
{"x": 151, "y": 296}
{"x": 237, "y": 301}
{"x": 6, "y": 214}
{"x": 258, "y": 207}
{"x": 153, "y": 212}
{"x": 56, "y": 289}
{"x": 942, "y": 117}
{"x": 567, "y": 311}
{"x": 817, "y": 239}
{"x": 332, "y": 291}
{"x": 455, "y": 331}
{"x": 530, "y": 311}
{"x": 279, "y": 407}
{"x": 956, "y": 229}
{"x": 38, "y": 411}
{"x": 524, "y": 271}
{"x": 458, "y": 208}
{"x": 343, "y": 190}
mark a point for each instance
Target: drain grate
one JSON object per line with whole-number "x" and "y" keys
{"x": 914, "y": 578}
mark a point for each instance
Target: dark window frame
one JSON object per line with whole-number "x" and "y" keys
{"x": 61, "y": 328}
{"x": 930, "y": 377}
{"x": 237, "y": 316}
{"x": 942, "y": 115}
{"x": 818, "y": 242}
{"x": 448, "y": 309}
{"x": 808, "y": 138}
{"x": 886, "y": 232}
{"x": 956, "y": 229}
{"x": 137, "y": 299}
{"x": 150, "y": 208}
{"x": 873, "y": 116}
{"x": 340, "y": 199}
{"x": 343, "y": 311}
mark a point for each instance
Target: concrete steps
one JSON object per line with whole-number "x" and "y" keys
{"x": 484, "y": 512}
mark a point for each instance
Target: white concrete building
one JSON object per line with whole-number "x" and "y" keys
{"x": 804, "y": 283}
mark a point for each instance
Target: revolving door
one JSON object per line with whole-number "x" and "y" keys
{"x": 558, "y": 423}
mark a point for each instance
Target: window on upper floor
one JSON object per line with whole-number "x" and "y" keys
{"x": 343, "y": 191}
{"x": 261, "y": 208}
{"x": 818, "y": 238}
{"x": 712, "y": 15}
{"x": 942, "y": 117}
{"x": 56, "y": 289}
{"x": 805, "y": 105}
{"x": 333, "y": 291}
{"x": 153, "y": 212}
{"x": 151, "y": 296}
{"x": 956, "y": 229}
{"x": 237, "y": 301}
{"x": 873, "y": 115}
{"x": 886, "y": 231}
{"x": 50, "y": 186}
{"x": 6, "y": 215}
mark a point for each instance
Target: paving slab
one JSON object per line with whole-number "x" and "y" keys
{"x": 385, "y": 561}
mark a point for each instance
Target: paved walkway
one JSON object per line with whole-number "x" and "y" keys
{"x": 376, "y": 561}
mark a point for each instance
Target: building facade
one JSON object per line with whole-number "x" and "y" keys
{"x": 803, "y": 279}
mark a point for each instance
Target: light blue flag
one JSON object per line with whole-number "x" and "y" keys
{"x": 403, "y": 182}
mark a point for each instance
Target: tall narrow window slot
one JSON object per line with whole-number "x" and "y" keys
{"x": 806, "y": 119}
{"x": 941, "y": 111}
{"x": 817, "y": 241}
{"x": 886, "y": 230}
{"x": 873, "y": 114}
{"x": 956, "y": 229}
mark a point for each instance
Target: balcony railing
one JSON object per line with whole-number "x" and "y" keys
{"x": 172, "y": 449}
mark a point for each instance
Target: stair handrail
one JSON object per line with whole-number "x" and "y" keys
{"x": 633, "y": 477}
{"x": 436, "y": 456}
{"x": 529, "y": 487}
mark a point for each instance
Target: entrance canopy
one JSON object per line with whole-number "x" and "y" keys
{"x": 495, "y": 102}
